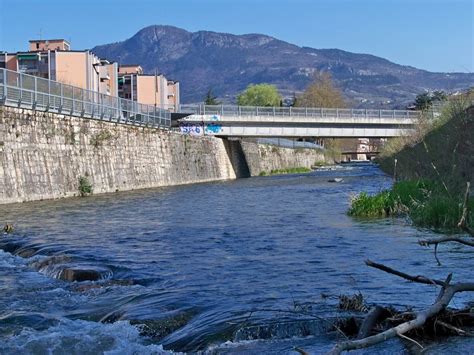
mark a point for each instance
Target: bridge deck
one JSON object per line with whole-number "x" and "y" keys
{"x": 289, "y": 122}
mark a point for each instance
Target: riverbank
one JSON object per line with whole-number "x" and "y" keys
{"x": 432, "y": 171}
{"x": 49, "y": 156}
{"x": 445, "y": 153}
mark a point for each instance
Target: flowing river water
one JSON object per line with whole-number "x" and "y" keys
{"x": 246, "y": 266}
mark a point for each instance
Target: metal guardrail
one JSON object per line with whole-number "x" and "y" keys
{"x": 288, "y": 143}
{"x": 32, "y": 92}
{"x": 229, "y": 110}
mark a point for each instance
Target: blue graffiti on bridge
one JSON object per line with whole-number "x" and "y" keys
{"x": 191, "y": 129}
{"x": 213, "y": 128}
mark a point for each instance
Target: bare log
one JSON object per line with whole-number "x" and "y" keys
{"x": 441, "y": 303}
{"x": 417, "y": 278}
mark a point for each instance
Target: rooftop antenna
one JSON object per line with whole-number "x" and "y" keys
{"x": 40, "y": 33}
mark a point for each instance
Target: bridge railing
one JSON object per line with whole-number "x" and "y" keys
{"x": 231, "y": 110}
{"x": 32, "y": 92}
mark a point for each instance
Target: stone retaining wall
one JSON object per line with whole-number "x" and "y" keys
{"x": 43, "y": 155}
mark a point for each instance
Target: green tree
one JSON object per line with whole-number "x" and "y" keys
{"x": 321, "y": 93}
{"x": 210, "y": 99}
{"x": 423, "y": 101}
{"x": 439, "y": 96}
{"x": 259, "y": 95}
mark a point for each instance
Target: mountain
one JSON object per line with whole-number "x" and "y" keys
{"x": 227, "y": 63}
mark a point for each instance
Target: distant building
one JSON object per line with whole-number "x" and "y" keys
{"x": 54, "y": 60}
{"x": 148, "y": 89}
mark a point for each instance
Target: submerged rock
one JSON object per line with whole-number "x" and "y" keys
{"x": 44, "y": 264}
{"x": 78, "y": 274}
{"x": 157, "y": 329}
{"x": 109, "y": 283}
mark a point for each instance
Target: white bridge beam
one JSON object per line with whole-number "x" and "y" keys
{"x": 330, "y": 124}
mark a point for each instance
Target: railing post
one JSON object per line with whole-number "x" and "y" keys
{"x": 20, "y": 86}
{"x": 36, "y": 92}
{"x": 222, "y": 110}
{"x": 72, "y": 106}
{"x": 5, "y": 85}
{"x": 101, "y": 105}
{"x": 204, "y": 109}
{"x": 306, "y": 112}
{"x": 380, "y": 113}
{"x": 49, "y": 94}
{"x": 60, "y": 98}
{"x": 337, "y": 113}
{"x": 290, "y": 111}
{"x": 119, "y": 109}
{"x": 257, "y": 111}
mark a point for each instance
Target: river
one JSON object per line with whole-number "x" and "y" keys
{"x": 246, "y": 266}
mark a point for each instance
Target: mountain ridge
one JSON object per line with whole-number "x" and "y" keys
{"x": 228, "y": 63}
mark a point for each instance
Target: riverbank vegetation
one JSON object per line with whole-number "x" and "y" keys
{"x": 298, "y": 170}
{"x": 427, "y": 203}
{"x": 85, "y": 187}
{"x": 432, "y": 167}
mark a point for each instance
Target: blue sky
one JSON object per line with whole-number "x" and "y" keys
{"x": 435, "y": 35}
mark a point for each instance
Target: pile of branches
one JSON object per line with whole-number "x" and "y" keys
{"x": 381, "y": 324}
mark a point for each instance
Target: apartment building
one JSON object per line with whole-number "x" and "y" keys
{"x": 54, "y": 60}
{"x": 148, "y": 89}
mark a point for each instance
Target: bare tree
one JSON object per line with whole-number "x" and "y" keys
{"x": 322, "y": 92}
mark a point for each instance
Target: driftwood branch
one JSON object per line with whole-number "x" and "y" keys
{"x": 446, "y": 294}
{"x": 435, "y": 241}
{"x": 417, "y": 278}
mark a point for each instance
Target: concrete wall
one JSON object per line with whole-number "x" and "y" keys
{"x": 42, "y": 156}
{"x": 266, "y": 158}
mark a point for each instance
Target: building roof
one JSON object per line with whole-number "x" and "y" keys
{"x": 49, "y": 40}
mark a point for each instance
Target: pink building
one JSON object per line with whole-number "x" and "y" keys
{"x": 54, "y": 60}
{"x": 147, "y": 88}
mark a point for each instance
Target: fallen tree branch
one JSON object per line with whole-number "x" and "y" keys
{"x": 418, "y": 278}
{"x": 440, "y": 240}
{"x": 411, "y": 340}
{"x": 446, "y": 294}
{"x": 460, "y": 331}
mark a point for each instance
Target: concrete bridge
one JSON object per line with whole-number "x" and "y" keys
{"x": 290, "y": 122}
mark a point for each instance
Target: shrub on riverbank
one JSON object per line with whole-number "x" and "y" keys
{"x": 427, "y": 203}
{"x": 299, "y": 170}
